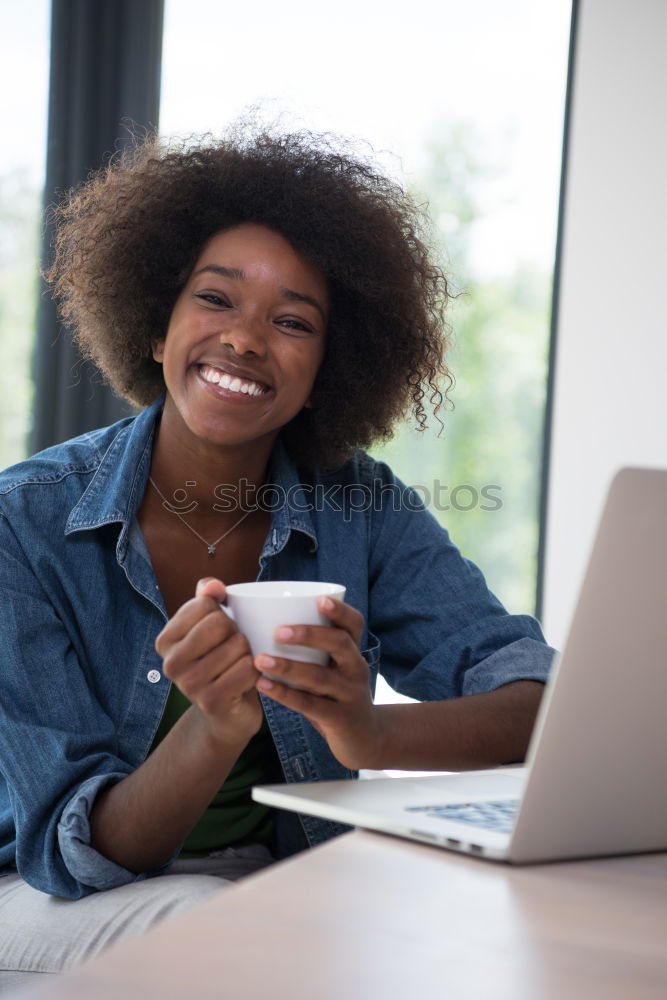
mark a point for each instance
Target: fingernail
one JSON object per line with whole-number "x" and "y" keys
{"x": 284, "y": 632}
{"x": 264, "y": 660}
{"x": 265, "y": 685}
{"x": 326, "y": 604}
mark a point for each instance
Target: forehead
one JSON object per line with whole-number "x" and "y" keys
{"x": 257, "y": 251}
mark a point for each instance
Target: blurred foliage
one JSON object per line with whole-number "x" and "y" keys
{"x": 493, "y": 435}
{"x": 20, "y": 206}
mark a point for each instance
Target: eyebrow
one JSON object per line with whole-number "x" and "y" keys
{"x": 298, "y": 297}
{"x": 226, "y": 272}
{"x": 239, "y": 275}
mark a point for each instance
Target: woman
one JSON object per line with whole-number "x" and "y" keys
{"x": 271, "y": 303}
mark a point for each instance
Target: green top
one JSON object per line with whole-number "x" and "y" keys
{"x": 232, "y": 817}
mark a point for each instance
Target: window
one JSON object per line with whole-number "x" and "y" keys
{"x": 24, "y": 66}
{"x": 465, "y": 103}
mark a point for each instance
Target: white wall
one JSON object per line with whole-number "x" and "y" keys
{"x": 611, "y": 366}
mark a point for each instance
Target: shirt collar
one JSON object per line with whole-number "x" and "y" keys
{"x": 115, "y": 491}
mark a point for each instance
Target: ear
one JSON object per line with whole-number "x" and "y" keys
{"x": 157, "y": 347}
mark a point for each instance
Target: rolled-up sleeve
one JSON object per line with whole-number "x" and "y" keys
{"x": 442, "y": 632}
{"x": 87, "y": 866}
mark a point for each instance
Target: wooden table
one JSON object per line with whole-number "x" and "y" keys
{"x": 367, "y": 916}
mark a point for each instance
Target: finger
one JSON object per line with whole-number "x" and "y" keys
{"x": 314, "y": 707}
{"x": 343, "y": 615}
{"x": 187, "y": 616}
{"x": 338, "y": 643}
{"x": 210, "y": 586}
{"x": 218, "y": 698}
{"x": 211, "y": 683}
{"x": 312, "y": 677}
{"x": 206, "y": 634}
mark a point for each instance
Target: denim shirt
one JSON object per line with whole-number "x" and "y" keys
{"x": 81, "y": 686}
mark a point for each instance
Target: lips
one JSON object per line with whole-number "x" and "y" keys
{"x": 233, "y": 381}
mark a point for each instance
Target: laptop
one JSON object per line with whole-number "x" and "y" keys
{"x": 594, "y": 781}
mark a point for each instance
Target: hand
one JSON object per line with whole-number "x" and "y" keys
{"x": 209, "y": 660}
{"x": 336, "y": 698}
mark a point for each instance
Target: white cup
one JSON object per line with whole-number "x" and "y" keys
{"x": 260, "y": 608}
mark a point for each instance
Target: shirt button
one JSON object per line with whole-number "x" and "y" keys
{"x": 153, "y": 676}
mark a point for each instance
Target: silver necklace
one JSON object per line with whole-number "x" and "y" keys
{"x": 211, "y": 546}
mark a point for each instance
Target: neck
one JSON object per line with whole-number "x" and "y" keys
{"x": 217, "y": 479}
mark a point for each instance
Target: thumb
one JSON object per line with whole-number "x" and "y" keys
{"x": 210, "y": 586}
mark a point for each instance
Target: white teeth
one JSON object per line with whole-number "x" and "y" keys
{"x": 233, "y": 383}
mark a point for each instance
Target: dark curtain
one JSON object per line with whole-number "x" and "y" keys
{"x": 105, "y": 71}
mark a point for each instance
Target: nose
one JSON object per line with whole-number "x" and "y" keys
{"x": 244, "y": 337}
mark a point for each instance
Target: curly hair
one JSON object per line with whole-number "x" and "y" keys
{"x": 127, "y": 240}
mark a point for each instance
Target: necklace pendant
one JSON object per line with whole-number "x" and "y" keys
{"x": 211, "y": 546}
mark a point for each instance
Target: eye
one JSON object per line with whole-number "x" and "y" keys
{"x": 213, "y": 299}
{"x": 295, "y": 326}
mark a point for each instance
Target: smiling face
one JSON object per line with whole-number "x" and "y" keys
{"x": 245, "y": 341}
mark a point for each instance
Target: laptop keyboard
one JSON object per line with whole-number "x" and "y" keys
{"x": 498, "y": 816}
